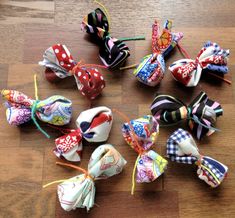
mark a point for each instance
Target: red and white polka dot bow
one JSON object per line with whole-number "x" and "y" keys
{"x": 60, "y": 64}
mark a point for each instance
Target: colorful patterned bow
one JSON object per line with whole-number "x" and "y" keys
{"x": 56, "y": 110}
{"x": 211, "y": 57}
{"x": 79, "y": 191}
{"x": 151, "y": 70}
{"x": 141, "y": 134}
{"x": 59, "y": 64}
{"x": 201, "y": 112}
{"x": 93, "y": 125}
{"x": 182, "y": 148}
{"x": 113, "y": 52}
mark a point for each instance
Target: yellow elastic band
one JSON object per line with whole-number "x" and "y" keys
{"x": 128, "y": 67}
{"x": 106, "y": 13}
{"x": 61, "y": 180}
{"x": 133, "y": 175}
{"x": 35, "y": 87}
{"x": 211, "y": 174}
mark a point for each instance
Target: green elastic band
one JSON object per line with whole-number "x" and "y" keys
{"x": 34, "y": 107}
{"x": 132, "y": 38}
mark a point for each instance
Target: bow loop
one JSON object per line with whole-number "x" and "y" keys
{"x": 60, "y": 64}
{"x": 182, "y": 148}
{"x": 55, "y": 110}
{"x": 151, "y": 69}
{"x": 201, "y": 113}
{"x": 211, "y": 57}
{"x": 93, "y": 125}
{"x": 79, "y": 191}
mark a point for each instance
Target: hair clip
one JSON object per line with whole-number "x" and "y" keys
{"x": 141, "y": 134}
{"x": 151, "y": 69}
{"x": 79, "y": 191}
{"x": 56, "y": 110}
{"x": 113, "y": 52}
{"x": 201, "y": 113}
{"x": 93, "y": 125}
{"x": 182, "y": 148}
{"x": 60, "y": 64}
{"x": 211, "y": 59}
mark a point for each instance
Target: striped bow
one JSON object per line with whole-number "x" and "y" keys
{"x": 93, "y": 125}
{"x": 211, "y": 57}
{"x": 151, "y": 70}
{"x": 141, "y": 134}
{"x": 113, "y": 52}
{"x": 60, "y": 64}
{"x": 182, "y": 148}
{"x": 201, "y": 113}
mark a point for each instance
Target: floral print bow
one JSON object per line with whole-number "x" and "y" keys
{"x": 201, "y": 113}
{"x": 60, "y": 64}
{"x": 182, "y": 148}
{"x": 56, "y": 110}
{"x": 211, "y": 58}
{"x": 93, "y": 125}
{"x": 151, "y": 69}
{"x": 141, "y": 134}
{"x": 79, "y": 191}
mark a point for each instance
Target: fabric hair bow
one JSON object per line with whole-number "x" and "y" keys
{"x": 113, "y": 52}
{"x": 151, "y": 69}
{"x": 182, "y": 148}
{"x": 211, "y": 57}
{"x": 79, "y": 191}
{"x": 93, "y": 125}
{"x": 60, "y": 64}
{"x": 201, "y": 113}
{"x": 141, "y": 134}
{"x": 56, "y": 110}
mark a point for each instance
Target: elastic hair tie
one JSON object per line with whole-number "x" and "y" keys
{"x": 211, "y": 59}
{"x": 141, "y": 134}
{"x": 182, "y": 148}
{"x": 79, "y": 191}
{"x": 113, "y": 52}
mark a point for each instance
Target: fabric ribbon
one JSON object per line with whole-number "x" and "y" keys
{"x": 94, "y": 125}
{"x": 182, "y": 148}
{"x": 211, "y": 58}
{"x": 113, "y": 52}
{"x": 60, "y": 64}
{"x": 151, "y": 69}
{"x": 201, "y": 113}
{"x": 79, "y": 191}
{"x": 141, "y": 134}
{"x": 56, "y": 110}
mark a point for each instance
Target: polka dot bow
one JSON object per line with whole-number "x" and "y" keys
{"x": 141, "y": 135}
{"x": 151, "y": 69}
{"x": 93, "y": 125}
{"x": 211, "y": 58}
{"x": 79, "y": 191}
{"x": 113, "y": 52}
{"x": 201, "y": 113}
{"x": 56, "y": 110}
{"x": 182, "y": 148}
{"x": 59, "y": 64}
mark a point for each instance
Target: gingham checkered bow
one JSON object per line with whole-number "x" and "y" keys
{"x": 93, "y": 125}
{"x": 211, "y": 57}
{"x": 182, "y": 148}
{"x": 201, "y": 112}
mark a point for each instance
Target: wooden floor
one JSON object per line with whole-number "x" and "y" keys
{"x": 28, "y": 27}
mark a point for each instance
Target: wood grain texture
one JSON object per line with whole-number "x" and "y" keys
{"x": 28, "y": 27}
